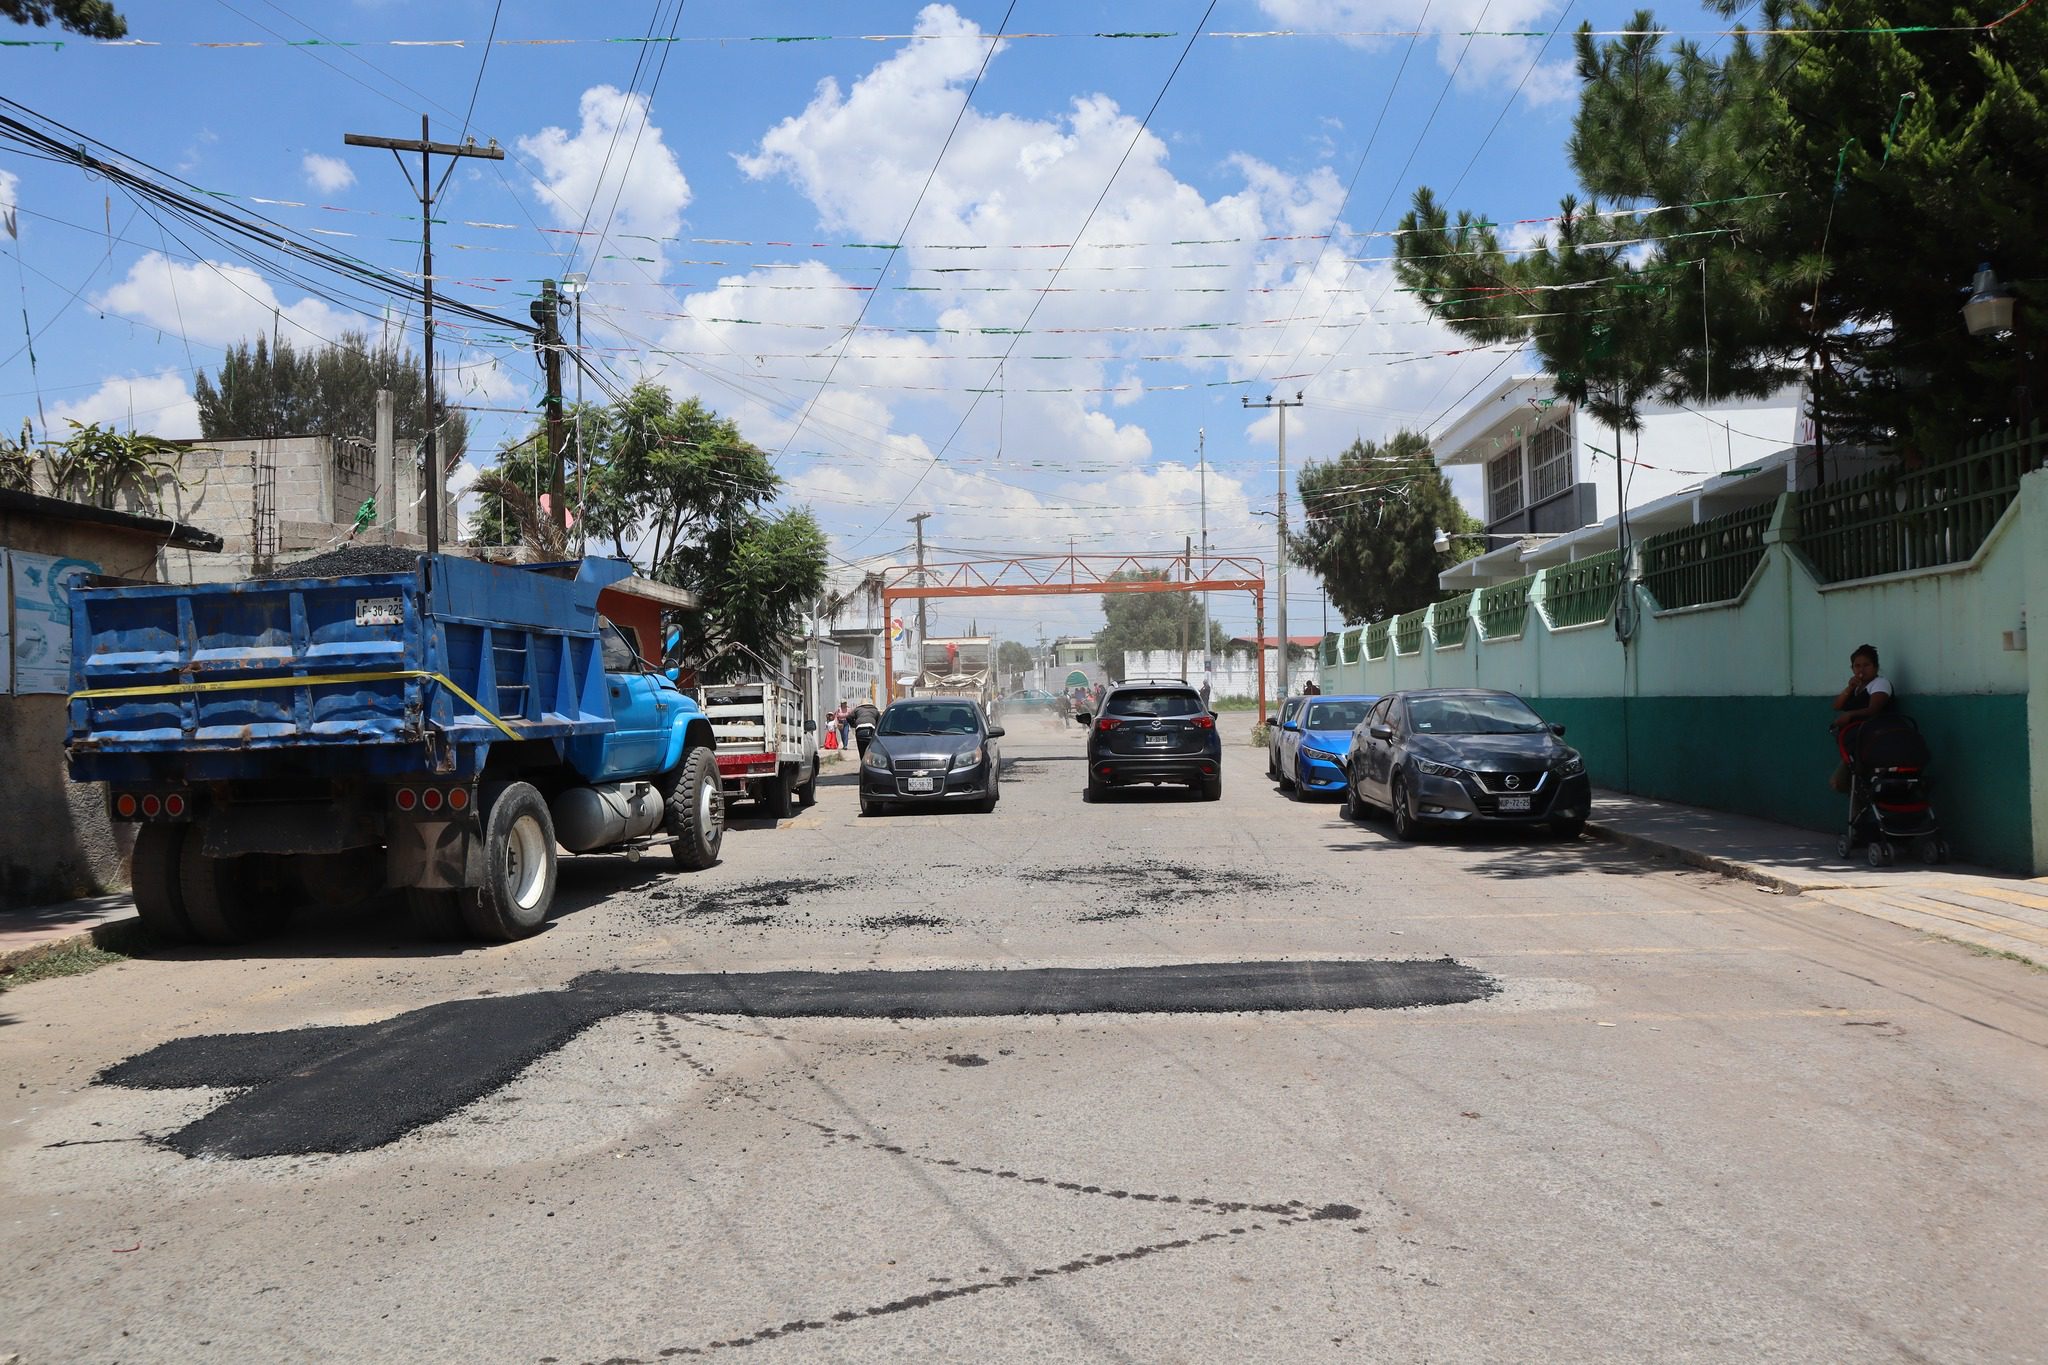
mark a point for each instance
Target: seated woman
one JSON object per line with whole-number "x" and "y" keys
{"x": 1868, "y": 692}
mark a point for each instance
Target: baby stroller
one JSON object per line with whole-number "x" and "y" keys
{"x": 1888, "y": 786}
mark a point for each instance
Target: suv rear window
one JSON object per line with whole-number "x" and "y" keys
{"x": 1146, "y": 701}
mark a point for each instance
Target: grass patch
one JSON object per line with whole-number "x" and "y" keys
{"x": 74, "y": 959}
{"x": 1982, "y": 951}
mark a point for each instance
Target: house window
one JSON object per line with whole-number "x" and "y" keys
{"x": 1550, "y": 462}
{"x": 1504, "y": 485}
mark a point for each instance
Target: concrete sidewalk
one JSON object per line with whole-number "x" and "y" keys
{"x": 1974, "y": 905}
{"x": 28, "y": 934}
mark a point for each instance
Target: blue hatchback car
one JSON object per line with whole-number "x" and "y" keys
{"x": 1314, "y": 743}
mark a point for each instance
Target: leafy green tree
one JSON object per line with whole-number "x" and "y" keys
{"x": 675, "y": 487}
{"x": 1013, "y": 661}
{"x": 1370, "y": 526}
{"x": 91, "y": 18}
{"x": 261, "y": 390}
{"x": 18, "y": 462}
{"x": 1138, "y": 621}
{"x": 1805, "y": 203}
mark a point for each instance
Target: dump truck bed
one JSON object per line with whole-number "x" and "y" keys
{"x": 373, "y": 673}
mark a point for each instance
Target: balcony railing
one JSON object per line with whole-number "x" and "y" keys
{"x": 1893, "y": 520}
{"x": 1583, "y": 592}
{"x": 1710, "y": 562}
{"x": 1504, "y": 608}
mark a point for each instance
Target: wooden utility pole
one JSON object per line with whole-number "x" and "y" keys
{"x": 427, "y": 190}
{"x": 547, "y": 313}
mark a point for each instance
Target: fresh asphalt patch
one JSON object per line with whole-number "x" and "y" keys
{"x": 357, "y": 1087}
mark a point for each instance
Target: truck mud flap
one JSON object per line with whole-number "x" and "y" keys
{"x": 434, "y": 855}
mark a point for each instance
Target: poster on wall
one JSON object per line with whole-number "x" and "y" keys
{"x": 41, "y": 647}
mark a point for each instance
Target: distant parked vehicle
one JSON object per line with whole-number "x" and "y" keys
{"x": 1154, "y": 732}
{"x": 932, "y": 751}
{"x": 1289, "y": 708}
{"x": 1313, "y": 745}
{"x": 1031, "y": 699}
{"x": 1450, "y": 756}
{"x": 767, "y": 746}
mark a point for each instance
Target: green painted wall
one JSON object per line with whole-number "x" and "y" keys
{"x": 1771, "y": 757}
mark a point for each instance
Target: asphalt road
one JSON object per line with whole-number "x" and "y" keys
{"x": 882, "y": 1090}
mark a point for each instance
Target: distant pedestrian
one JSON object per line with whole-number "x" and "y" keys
{"x": 1309, "y": 689}
{"x": 1205, "y": 694}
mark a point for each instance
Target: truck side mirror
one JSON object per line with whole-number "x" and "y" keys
{"x": 810, "y": 727}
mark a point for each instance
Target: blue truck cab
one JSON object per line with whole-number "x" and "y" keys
{"x": 447, "y": 731}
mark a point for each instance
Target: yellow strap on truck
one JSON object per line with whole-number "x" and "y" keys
{"x": 313, "y": 680}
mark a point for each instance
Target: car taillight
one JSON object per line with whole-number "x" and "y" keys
{"x": 152, "y": 805}
{"x": 1205, "y": 722}
{"x": 1107, "y": 723}
{"x": 174, "y": 805}
{"x": 458, "y": 799}
{"x": 124, "y": 805}
{"x": 406, "y": 798}
{"x": 431, "y": 798}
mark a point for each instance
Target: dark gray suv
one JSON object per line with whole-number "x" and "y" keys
{"x": 1154, "y": 732}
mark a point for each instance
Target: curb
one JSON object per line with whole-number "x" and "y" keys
{"x": 116, "y": 935}
{"x": 1706, "y": 862}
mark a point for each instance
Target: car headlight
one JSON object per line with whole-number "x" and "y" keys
{"x": 1434, "y": 769}
{"x": 1574, "y": 763}
{"x": 877, "y": 758}
{"x": 967, "y": 758}
{"x": 1322, "y": 755}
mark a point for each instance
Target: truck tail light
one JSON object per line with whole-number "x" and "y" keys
{"x": 125, "y": 805}
{"x": 431, "y": 798}
{"x": 458, "y": 798}
{"x": 152, "y": 805}
{"x": 174, "y": 805}
{"x": 405, "y": 798}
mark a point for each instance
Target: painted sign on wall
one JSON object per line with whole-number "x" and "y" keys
{"x": 40, "y": 648}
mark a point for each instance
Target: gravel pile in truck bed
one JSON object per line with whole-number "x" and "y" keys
{"x": 348, "y": 560}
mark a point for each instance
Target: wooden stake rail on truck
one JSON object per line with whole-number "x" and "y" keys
{"x": 767, "y": 746}
{"x": 440, "y": 730}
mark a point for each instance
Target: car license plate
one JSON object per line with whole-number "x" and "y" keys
{"x": 1158, "y": 741}
{"x": 931, "y": 784}
{"x": 1514, "y": 803}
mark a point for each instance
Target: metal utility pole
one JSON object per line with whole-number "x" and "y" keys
{"x": 426, "y": 190}
{"x": 918, "y": 521}
{"x": 1202, "y": 458}
{"x": 1280, "y": 516}
{"x": 547, "y": 311}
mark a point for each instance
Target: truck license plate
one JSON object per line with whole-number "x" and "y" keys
{"x": 921, "y": 784}
{"x": 1514, "y": 803}
{"x": 379, "y": 611}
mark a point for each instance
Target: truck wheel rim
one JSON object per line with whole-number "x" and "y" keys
{"x": 526, "y": 862}
{"x": 710, "y": 801}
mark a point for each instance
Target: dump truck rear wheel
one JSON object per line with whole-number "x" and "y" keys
{"x": 154, "y": 877}
{"x": 696, "y": 812}
{"x": 519, "y": 868}
{"x": 221, "y": 896}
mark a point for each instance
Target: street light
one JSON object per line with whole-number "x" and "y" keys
{"x": 1989, "y": 308}
{"x": 1444, "y": 538}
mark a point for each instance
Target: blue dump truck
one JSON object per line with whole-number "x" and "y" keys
{"x": 440, "y": 730}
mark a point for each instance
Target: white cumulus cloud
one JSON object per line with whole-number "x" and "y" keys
{"x": 158, "y": 405}
{"x": 219, "y": 303}
{"x": 327, "y": 174}
{"x": 615, "y": 174}
{"x": 1465, "y": 43}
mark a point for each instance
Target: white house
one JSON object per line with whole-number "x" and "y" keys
{"x": 1551, "y": 487}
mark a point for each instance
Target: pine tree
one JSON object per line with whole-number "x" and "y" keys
{"x": 330, "y": 390}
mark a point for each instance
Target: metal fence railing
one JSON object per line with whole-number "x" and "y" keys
{"x": 1328, "y": 650}
{"x": 1504, "y": 608}
{"x": 1347, "y": 645}
{"x": 1582, "y": 592}
{"x": 1408, "y": 631}
{"x": 1450, "y": 619}
{"x": 1710, "y": 562}
{"x": 1376, "y": 640}
{"x": 1892, "y": 520}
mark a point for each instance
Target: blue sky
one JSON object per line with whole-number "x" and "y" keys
{"x": 731, "y": 176}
